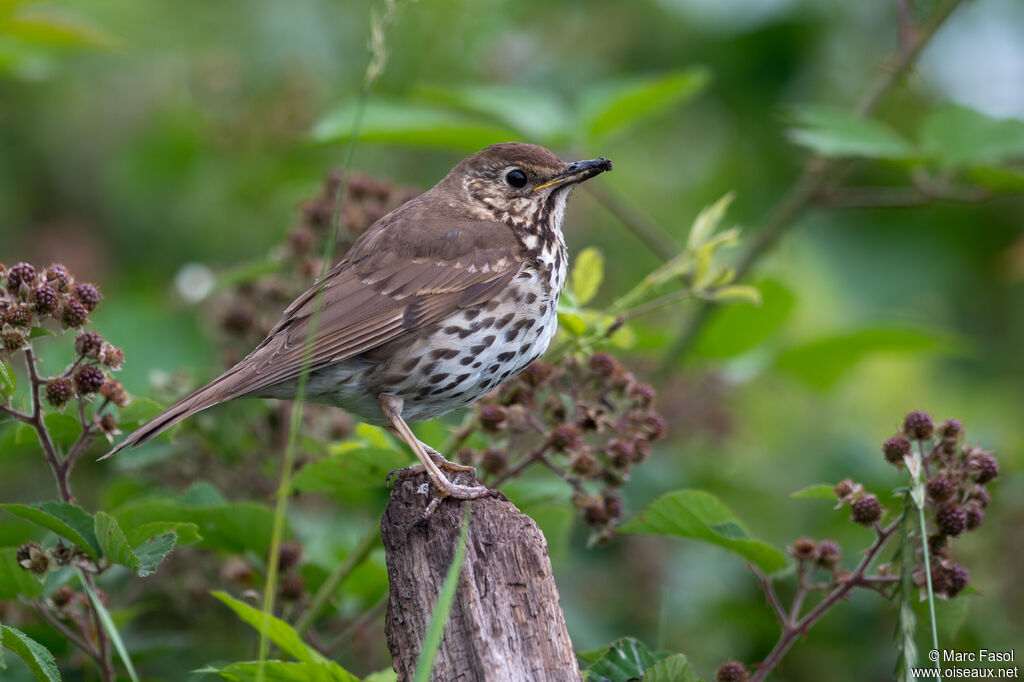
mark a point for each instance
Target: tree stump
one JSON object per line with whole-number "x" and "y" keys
{"x": 505, "y": 624}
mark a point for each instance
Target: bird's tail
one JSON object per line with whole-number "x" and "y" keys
{"x": 219, "y": 390}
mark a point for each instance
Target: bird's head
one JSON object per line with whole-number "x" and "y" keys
{"x": 520, "y": 184}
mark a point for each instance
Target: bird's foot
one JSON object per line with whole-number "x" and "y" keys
{"x": 441, "y": 462}
{"x": 443, "y": 487}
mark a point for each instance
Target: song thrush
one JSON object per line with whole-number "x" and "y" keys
{"x": 434, "y": 305}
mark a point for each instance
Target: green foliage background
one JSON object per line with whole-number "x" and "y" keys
{"x": 137, "y": 137}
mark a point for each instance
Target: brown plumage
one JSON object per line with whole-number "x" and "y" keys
{"x": 414, "y": 319}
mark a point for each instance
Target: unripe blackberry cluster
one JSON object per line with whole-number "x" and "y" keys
{"x": 33, "y": 300}
{"x": 956, "y": 490}
{"x": 33, "y": 558}
{"x": 30, "y": 297}
{"x": 586, "y": 417}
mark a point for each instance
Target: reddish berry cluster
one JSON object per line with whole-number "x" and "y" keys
{"x": 956, "y": 489}
{"x": 587, "y": 417}
{"x": 32, "y": 300}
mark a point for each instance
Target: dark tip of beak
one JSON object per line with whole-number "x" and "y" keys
{"x": 595, "y": 166}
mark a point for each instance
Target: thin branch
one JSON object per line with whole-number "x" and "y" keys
{"x": 639, "y": 223}
{"x": 522, "y": 465}
{"x": 103, "y": 659}
{"x": 791, "y": 631}
{"x": 816, "y": 175}
{"x": 770, "y": 596}
{"x": 49, "y": 450}
{"x": 87, "y": 648}
{"x": 896, "y": 197}
{"x": 345, "y": 636}
{"x": 20, "y": 416}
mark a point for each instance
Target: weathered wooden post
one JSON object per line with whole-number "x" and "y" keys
{"x": 505, "y": 624}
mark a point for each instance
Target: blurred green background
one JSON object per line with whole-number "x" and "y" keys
{"x": 136, "y": 138}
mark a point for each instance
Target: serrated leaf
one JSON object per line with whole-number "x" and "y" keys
{"x": 142, "y": 558}
{"x": 613, "y": 108}
{"x": 839, "y": 133}
{"x": 39, "y": 660}
{"x": 958, "y": 136}
{"x": 587, "y": 274}
{"x": 277, "y": 631}
{"x": 822, "y": 362}
{"x": 15, "y": 581}
{"x": 820, "y": 491}
{"x": 736, "y": 293}
{"x": 699, "y": 515}
{"x": 282, "y": 671}
{"x": 397, "y": 122}
{"x": 675, "y": 668}
{"x": 624, "y": 660}
{"x": 63, "y": 518}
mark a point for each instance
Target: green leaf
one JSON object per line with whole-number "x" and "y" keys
{"x": 535, "y": 114}
{"x": 439, "y": 618}
{"x": 142, "y": 558}
{"x": 39, "y": 331}
{"x": 235, "y": 527}
{"x": 350, "y": 474}
{"x": 675, "y": 668}
{"x": 838, "y": 133}
{"x": 587, "y": 274}
{"x": 820, "y": 491}
{"x": 8, "y": 383}
{"x": 187, "y": 533}
{"x": 63, "y": 518}
{"x": 574, "y": 324}
{"x": 958, "y": 136}
{"x": 624, "y": 660}
{"x": 281, "y": 671}
{"x": 736, "y": 293}
{"x": 35, "y": 655}
{"x": 15, "y": 581}
{"x": 822, "y": 362}
{"x": 736, "y": 329}
{"x": 707, "y": 221}
{"x": 277, "y": 631}
{"x": 51, "y": 26}
{"x": 404, "y": 123}
{"x": 701, "y": 516}
{"x": 610, "y": 109}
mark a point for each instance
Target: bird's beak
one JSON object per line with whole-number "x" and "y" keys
{"x": 578, "y": 171}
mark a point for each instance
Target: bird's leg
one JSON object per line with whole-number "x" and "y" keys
{"x": 391, "y": 406}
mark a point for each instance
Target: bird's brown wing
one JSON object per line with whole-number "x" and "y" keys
{"x": 368, "y": 302}
{"x": 408, "y": 270}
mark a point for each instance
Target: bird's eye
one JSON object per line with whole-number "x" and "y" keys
{"x": 516, "y": 178}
